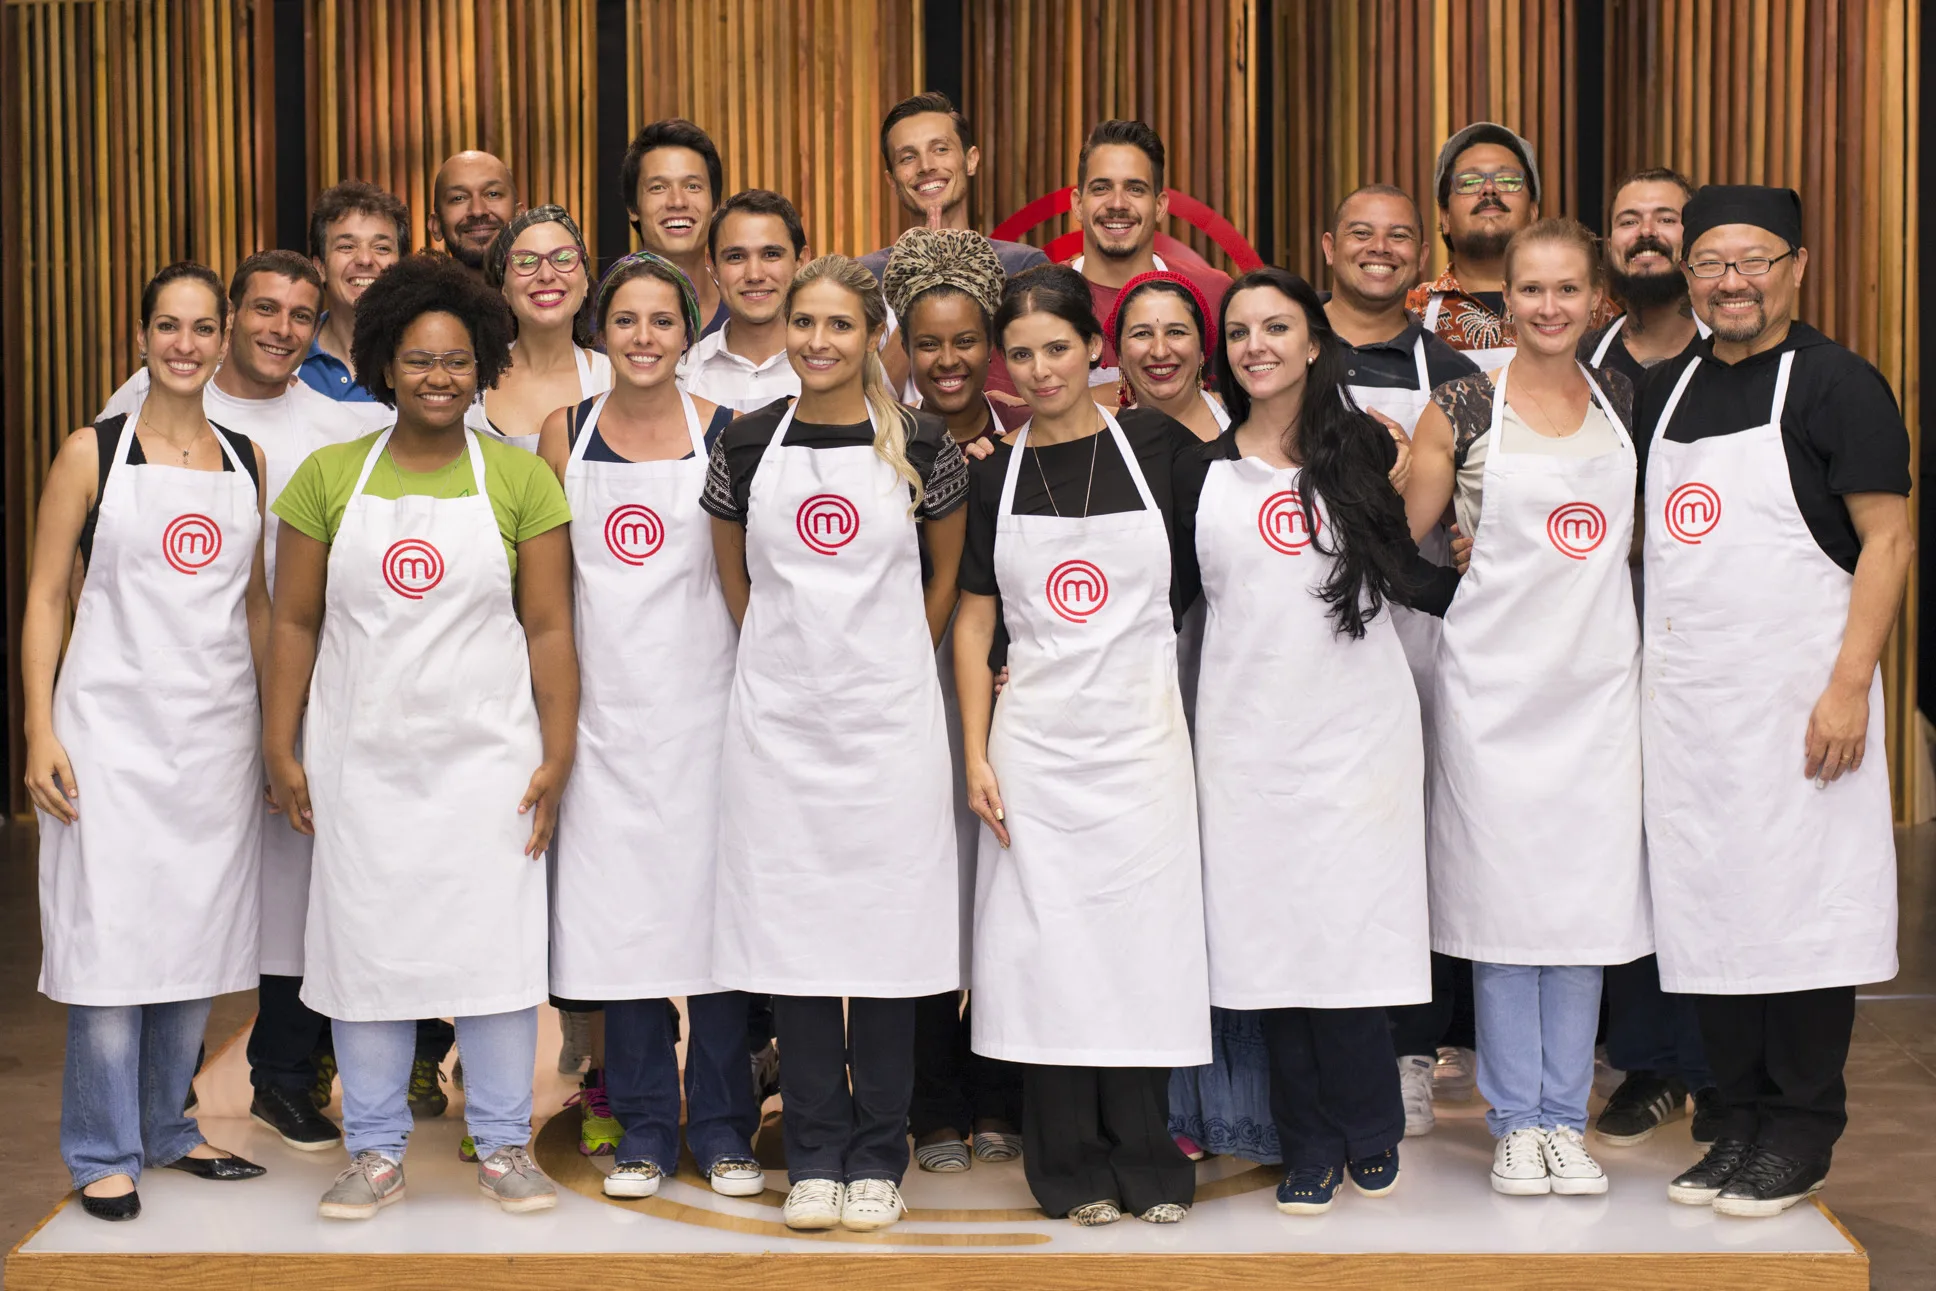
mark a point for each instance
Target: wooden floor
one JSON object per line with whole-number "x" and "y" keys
{"x": 1443, "y": 1228}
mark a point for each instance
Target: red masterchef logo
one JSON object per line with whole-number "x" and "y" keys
{"x": 1692, "y": 512}
{"x": 1576, "y": 528}
{"x": 1077, "y": 589}
{"x": 1282, "y": 522}
{"x": 634, "y": 532}
{"x": 412, "y": 567}
{"x": 190, "y": 542}
{"x": 827, "y": 522}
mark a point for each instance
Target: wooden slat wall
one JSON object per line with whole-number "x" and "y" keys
{"x": 792, "y": 92}
{"x": 398, "y": 85}
{"x": 1365, "y": 91}
{"x": 1820, "y": 96}
{"x": 1042, "y": 72}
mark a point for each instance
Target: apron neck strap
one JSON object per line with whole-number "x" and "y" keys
{"x": 1606, "y": 340}
{"x": 1433, "y": 304}
{"x": 1418, "y": 358}
{"x": 1112, "y": 428}
{"x": 383, "y": 441}
{"x": 1781, "y": 388}
{"x": 585, "y": 430}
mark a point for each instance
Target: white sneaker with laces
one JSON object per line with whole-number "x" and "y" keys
{"x": 813, "y": 1204}
{"x": 1573, "y": 1170}
{"x": 737, "y": 1177}
{"x": 1455, "y": 1078}
{"x": 1415, "y": 1088}
{"x": 871, "y": 1204}
{"x": 1519, "y": 1165}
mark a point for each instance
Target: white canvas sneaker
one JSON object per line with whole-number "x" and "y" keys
{"x": 871, "y": 1204}
{"x": 1519, "y": 1165}
{"x": 1573, "y": 1170}
{"x": 814, "y": 1204}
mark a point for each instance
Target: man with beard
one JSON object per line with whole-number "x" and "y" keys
{"x": 755, "y": 244}
{"x": 472, "y": 198}
{"x": 1778, "y": 542}
{"x": 1120, "y": 203}
{"x": 1643, "y": 251}
{"x": 671, "y": 178}
{"x": 1488, "y": 190}
{"x": 356, "y": 231}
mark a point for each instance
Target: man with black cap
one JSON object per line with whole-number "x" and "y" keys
{"x": 1643, "y": 250}
{"x": 1777, "y": 548}
{"x": 1488, "y": 189}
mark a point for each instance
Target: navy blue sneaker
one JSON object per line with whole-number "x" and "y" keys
{"x": 1375, "y": 1175}
{"x": 1309, "y": 1190}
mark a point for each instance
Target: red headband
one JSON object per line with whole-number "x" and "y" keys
{"x": 1157, "y": 275}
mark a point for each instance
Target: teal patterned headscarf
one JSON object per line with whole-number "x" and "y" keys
{"x": 644, "y": 264}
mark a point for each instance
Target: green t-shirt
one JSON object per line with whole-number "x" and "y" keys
{"x": 525, "y": 495}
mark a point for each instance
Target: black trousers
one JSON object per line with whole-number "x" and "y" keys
{"x": 286, "y": 1036}
{"x": 1650, "y": 1030}
{"x": 1102, "y": 1134}
{"x": 1333, "y": 1084}
{"x": 1778, "y": 1063}
{"x": 953, "y": 1085}
{"x": 830, "y": 1131}
{"x": 1446, "y": 1018}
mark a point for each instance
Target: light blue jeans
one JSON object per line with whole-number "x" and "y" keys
{"x": 127, "y": 1075}
{"x": 1535, "y": 1032}
{"x": 498, "y": 1051}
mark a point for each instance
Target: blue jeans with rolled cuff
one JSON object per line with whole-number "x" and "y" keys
{"x": 642, "y": 1079}
{"x": 498, "y": 1051}
{"x": 1536, "y": 1029}
{"x": 126, "y": 1078}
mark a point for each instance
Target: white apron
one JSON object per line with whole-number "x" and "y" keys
{"x": 967, "y": 833}
{"x": 632, "y": 867}
{"x": 1535, "y": 844}
{"x": 1762, "y": 882}
{"x": 151, "y": 896}
{"x": 1490, "y": 359}
{"x": 1310, "y": 770}
{"x": 422, "y": 735}
{"x": 837, "y": 869}
{"x": 1189, "y": 632}
{"x": 1417, "y": 632}
{"x": 1605, "y": 347}
{"x": 594, "y": 378}
{"x": 1089, "y": 946}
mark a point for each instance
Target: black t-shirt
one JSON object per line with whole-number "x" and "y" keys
{"x": 1173, "y": 464}
{"x": 600, "y": 451}
{"x": 931, "y": 451}
{"x": 1433, "y": 585}
{"x": 107, "y": 434}
{"x": 1391, "y": 365}
{"x": 1841, "y": 427}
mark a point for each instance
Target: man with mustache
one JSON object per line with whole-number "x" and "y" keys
{"x": 472, "y": 198}
{"x": 1643, "y": 249}
{"x": 1120, "y": 203}
{"x": 1778, "y": 543}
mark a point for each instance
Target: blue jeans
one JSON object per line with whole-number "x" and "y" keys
{"x": 127, "y": 1075}
{"x": 1535, "y": 1029}
{"x": 642, "y": 1079}
{"x": 498, "y": 1051}
{"x": 1650, "y": 1030}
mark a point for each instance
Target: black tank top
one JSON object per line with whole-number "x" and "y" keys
{"x": 107, "y": 435}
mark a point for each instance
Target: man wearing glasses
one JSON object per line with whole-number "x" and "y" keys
{"x": 1488, "y": 190}
{"x": 1776, "y": 466}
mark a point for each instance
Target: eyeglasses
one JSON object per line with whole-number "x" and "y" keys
{"x": 1468, "y": 182}
{"x": 1752, "y": 267}
{"x": 564, "y": 260}
{"x": 456, "y": 362}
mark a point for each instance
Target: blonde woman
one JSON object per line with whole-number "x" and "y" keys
{"x": 836, "y": 866}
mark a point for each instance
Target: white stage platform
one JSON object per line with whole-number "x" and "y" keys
{"x": 1443, "y": 1227}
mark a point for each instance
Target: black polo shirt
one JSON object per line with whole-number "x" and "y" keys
{"x": 1389, "y": 365}
{"x": 1841, "y": 427}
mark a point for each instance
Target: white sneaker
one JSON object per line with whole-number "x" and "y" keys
{"x": 871, "y": 1204}
{"x": 633, "y": 1179}
{"x": 1519, "y": 1165}
{"x": 1455, "y": 1077}
{"x": 737, "y": 1177}
{"x": 1415, "y": 1088}
{"x": 1573, "y": 1170}
{"x": 814, "y": 1203}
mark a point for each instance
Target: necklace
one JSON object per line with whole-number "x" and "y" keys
{"x": 1558, "y": 426}
{"x": 156, "y": 432}
{"x": 1095, "y": 445}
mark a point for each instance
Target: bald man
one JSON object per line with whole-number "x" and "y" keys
{"x": 472, "y": 198}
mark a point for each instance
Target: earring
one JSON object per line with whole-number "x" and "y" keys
{"x": 1125, "y": 393}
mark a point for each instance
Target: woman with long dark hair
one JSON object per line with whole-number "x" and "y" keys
{"x": 1310, "y": 775}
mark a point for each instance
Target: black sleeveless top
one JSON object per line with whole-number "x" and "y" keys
{"x": 599, "y": 451}
{"x": 107, "y": 434}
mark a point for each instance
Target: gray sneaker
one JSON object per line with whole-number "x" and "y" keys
{"x": 512, "y": 1179}
{"x": 372, "y": 1182}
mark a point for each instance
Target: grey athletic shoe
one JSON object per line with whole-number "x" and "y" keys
{"x": 372, "y": 1182}
{"x": 512, "y": 1179}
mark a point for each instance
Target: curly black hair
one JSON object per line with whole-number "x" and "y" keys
{"x": 420, "y": 284}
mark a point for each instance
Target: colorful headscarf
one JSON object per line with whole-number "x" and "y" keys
{"x": 641, "y": 264}
{"x": 925, "y": 258}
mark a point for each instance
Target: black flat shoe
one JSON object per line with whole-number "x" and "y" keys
{"x": 224, "y": 1168}
{"x": 113, "y": 1209}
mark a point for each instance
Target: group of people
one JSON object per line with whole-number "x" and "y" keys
{"x": 1099, "y": 713}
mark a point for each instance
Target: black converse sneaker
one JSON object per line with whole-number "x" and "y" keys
{"x": 1768, "y": 1183}
{"x": 1700, "y": 1185}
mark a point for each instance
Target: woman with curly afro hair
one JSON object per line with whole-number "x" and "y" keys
{"x": 423, "y": 608}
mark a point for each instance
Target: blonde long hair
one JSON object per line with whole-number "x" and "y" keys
{"x": 891, "y": 420}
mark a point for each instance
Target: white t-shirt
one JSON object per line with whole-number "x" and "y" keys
{"x": 711, "y": 371}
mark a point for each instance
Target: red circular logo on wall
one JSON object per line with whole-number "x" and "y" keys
{"x": 412, "y": 567}
{"x": 190, "y": 542}
{"x": 1692, "y": 512}
{"x": 827, "y": 522}
{"x": 1281, "y": 521}
{"x": 634, "y": 532}
{"x": 1077, "y": 589}
{"x": 1576, "y": 528}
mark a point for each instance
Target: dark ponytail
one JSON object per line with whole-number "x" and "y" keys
{"x": 1345, "y": 458}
